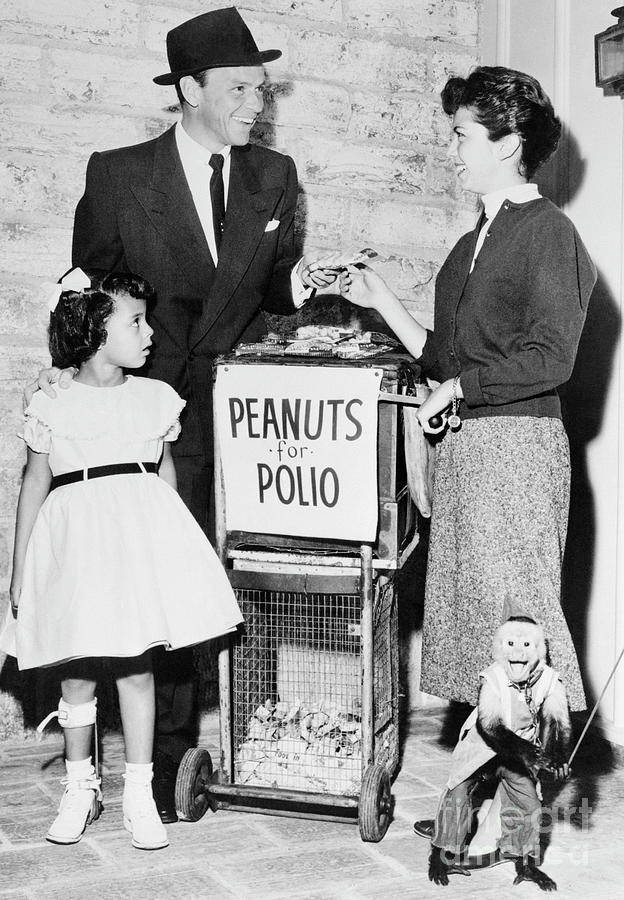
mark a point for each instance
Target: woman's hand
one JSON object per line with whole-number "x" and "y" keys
{"x": 438, "y": 403}
{"x": 45, "y": 380}
{"x": 362, "y": 286}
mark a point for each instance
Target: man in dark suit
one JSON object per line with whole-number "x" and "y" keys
{"x": 208, "y": 220}
{"x": 146, "y": 209}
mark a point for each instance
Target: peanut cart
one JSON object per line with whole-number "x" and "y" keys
{"x": 309, "y": 696}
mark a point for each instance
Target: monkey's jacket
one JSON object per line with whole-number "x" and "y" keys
{"x": 518, "y": 807}
{"x": 520, "y": 716}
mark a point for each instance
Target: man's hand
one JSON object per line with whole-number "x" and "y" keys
{"x": 45, "y": 380}
{"x": 318, "y": 273}
{"x": 317, "y": 270}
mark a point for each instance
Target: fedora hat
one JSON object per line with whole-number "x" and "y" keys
{"x": 211, "y": 41}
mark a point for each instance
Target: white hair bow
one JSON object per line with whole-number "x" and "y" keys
{"x": 76, "y": 280}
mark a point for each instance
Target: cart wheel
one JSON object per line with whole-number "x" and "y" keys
{"x": 193, "y": 777}
{"x": 375, "y": 804}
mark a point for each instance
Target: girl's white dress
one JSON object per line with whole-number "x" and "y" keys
{"x": 118, "y": 564}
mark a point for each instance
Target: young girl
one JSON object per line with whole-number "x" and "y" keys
{"x": 108, "y": 562}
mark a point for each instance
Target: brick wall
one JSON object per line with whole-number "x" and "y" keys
{"x": 354, "y": 99}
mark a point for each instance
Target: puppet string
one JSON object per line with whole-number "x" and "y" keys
{"x": 595, "y": 709}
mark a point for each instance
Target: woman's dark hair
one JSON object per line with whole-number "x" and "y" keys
{"x": 508, "y": 102}
{"x": 78, "y": 324}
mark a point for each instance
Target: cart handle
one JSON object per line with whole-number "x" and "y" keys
{"x": 388, "y": 397}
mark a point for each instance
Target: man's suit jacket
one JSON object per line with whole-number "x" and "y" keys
{"x": 137, "y": 214}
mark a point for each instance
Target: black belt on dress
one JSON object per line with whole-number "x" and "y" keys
{"x": 130, "y": 468}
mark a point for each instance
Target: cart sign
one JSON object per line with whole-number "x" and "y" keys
{"x": 298, "y": 448}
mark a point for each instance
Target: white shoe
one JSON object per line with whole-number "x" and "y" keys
{"x": 80, "y": 805}
{"x": 141, "y": 817}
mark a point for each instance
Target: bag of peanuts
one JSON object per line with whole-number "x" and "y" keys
{"x": 419, "y": 459}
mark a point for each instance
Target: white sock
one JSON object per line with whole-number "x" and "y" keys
{"x": 79, "y": 769}
{"x": 139, "y": 773}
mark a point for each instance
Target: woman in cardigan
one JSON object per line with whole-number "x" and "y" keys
{"x": 510, "y": 304}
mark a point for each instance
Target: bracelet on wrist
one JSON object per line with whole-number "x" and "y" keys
{"x": 454, "y": 421}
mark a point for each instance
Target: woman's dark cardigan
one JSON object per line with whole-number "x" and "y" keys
{"x": 511, "y": 328}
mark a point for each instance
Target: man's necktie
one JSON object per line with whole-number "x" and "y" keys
{"x": 217, "y": 196}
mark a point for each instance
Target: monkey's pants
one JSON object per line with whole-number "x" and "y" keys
{"x": 520, "y": 815}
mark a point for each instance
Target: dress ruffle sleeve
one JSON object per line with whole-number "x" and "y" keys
{"x": 170, "y": 406}
{"x": 151, "y": 411}
{"x": 38, "y": 422}
{"x": 36, "y": 433}
{"x": 174, "y": 432}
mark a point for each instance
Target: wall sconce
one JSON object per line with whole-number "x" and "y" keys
{"x": 609, "y": 54}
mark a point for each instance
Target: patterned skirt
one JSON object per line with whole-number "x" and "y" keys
{"x": 498, "y": 531}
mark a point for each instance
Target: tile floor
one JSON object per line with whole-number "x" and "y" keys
{"x": 229, "y": 854}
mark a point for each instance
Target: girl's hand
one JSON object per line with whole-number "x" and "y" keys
{"x": 362, "y": 286}
{"x": 14, "y": 594}
{"x": 437, "y": 403}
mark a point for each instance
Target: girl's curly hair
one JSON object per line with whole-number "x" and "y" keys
{"x": 77, "y": 327}
{"x": 505, "y": 102}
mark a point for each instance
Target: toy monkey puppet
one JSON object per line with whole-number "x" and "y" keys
{"x": 521, "y": 725}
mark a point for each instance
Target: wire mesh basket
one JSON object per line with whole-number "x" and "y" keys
{"x": 297, "y": 689}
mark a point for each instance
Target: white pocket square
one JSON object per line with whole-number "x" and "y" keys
{"x": 272, "y": 225}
